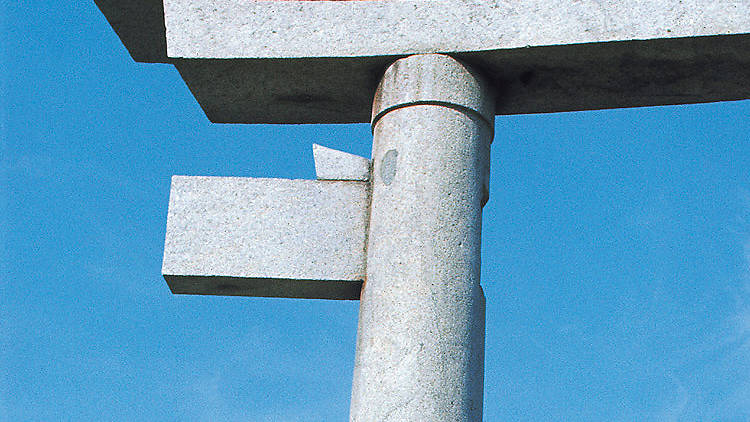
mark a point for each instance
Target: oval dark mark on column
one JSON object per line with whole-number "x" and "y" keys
{"x": 388, "y": 166}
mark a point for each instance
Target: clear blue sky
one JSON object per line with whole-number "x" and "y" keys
{"x": 616, "y": 254}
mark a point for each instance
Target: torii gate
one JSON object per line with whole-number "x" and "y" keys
{"x": 402, "y": 232}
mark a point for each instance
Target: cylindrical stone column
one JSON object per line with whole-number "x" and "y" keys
{"x": 420, "y": 345}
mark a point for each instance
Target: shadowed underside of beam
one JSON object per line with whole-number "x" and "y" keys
{"x": 260, "y": 287}
{"x": 286, "y": 62}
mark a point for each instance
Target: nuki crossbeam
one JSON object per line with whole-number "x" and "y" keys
{"x": 320, "y": 61}
{"x": 271, "y": 237}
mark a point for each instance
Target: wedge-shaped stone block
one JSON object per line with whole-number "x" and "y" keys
{"x": 266, "y": 237}
{"x": 331, "y": 164}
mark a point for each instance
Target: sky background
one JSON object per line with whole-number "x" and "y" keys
{"x": 615, "y": 260}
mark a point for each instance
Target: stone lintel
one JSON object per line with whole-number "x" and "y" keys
{"x": 320, "y": 61}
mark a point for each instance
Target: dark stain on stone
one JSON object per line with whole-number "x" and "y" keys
{"x": 389, "y": 166}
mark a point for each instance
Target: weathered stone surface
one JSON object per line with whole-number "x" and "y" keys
{"x": 420, "y": 345}
{"x": 263, "y": 29}
{"x": 320, "y": 61}
{"x": 433, "y": 79}
{"x": 331, "y": 164}
{"x": 266, "y": 237}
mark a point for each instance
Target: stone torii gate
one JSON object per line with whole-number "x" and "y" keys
{"x": 401, "y": 232}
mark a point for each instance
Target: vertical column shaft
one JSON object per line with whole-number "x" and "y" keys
{"x": 420, "y": 345}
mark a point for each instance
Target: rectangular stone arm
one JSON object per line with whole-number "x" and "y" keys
{"x": 266, "y": 237}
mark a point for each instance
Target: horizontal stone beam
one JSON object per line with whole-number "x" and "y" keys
{"x": 266, "y": 237}
{"x": 232, "y": 29}
{"x": 320, "y": 61}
